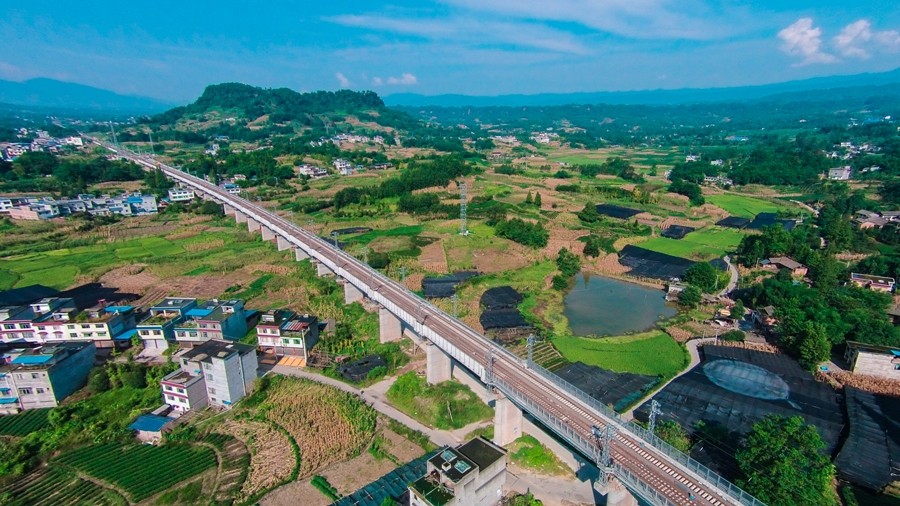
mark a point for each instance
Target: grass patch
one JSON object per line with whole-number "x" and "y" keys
{"x": 653, "y": 353}
{"x": 745, "y": 207}
{"x": 408, "y": 231}
{"x": 413, "y": 435}
{"x": 529, "y": 453}
{"x": 703, "y": 244}
{"x": 449, "y": 405}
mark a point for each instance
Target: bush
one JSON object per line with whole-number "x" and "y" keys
{"x": 98, "y": 381}
{"x": 560, "y": 282}
{"x": 321, "y": 483}
{"x": 733, "y": 335}
{"x": 523, "y": 232}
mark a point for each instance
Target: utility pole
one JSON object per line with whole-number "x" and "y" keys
{"x": 463, "y": 230}
{"x": 530, "y": 343}
{"x": 115, "y": 140}
{"x": 366, "y": 255}
{"x": 403, "y": 274}
{"x": 334, "y": 236}
{"x": 455, "y": 299}
{"x": 489, "y": 369}
{"x": 604, "y": 453}
{"x": 152, "y": 150}
{"x": 654, "y": 411}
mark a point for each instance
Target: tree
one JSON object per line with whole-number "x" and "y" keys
{"x": 213, "y": 177}
{"x": 674, "y": 434}
{"x": 589, "y": 214}
{"x": 568, "y": 263}
{"x": 815, "y": 347}
{"x": 529, "y": 199}
{"x": 537, "y": 200}
{"x": 737, "y": 311}
{"x": 98, "y": 381}
{"x": 782, "y": 463}
{"x": 690, "y": 297}
{"x": 592, "y": 246}
{"x": 702, "y": 275}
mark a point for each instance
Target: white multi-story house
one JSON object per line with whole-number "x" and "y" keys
{"x": 181, "y": 194}
{"x": 105, "y": 324}
{"x": 283, "y": 332}
{"x": 340, "y": 164}
{"x": 41, "y": 377}
{"x": 215, "y": 373}
{"x": 311, "y": 171}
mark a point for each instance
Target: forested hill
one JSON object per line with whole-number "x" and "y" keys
{"x": 280, "y": 104}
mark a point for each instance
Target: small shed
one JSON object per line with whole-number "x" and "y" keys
{"x": 150, "y": 428}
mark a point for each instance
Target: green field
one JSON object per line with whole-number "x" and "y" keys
{"x": 141, "y": 470}
{"x": 653, "y": 353}
{"x": 704, "y": 244}
{"x": 745, "y": 207}
{"x": 23, "y": 423}
{"x": 53, "y": 486}
{"x": 449, "y": 405}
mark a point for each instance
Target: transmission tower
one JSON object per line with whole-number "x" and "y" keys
{"x": 152, "y": 150}
{"x": 114, "y": 139}
{"x": 462, "y": 209}
{"x": 603, "y": 451}
{"x": 654, "y": 410}
{"x": 489, "y": 370}
{"x": 530, "y": 342}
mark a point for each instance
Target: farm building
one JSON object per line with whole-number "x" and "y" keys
{"x": 877, "y": 283}
{"x": 795, "y": 267}
{"x": 284, "y": 332}
{"x": 150, "y": 428}
{"x": 873, "y": 360}
{"x": 215, "y": 373}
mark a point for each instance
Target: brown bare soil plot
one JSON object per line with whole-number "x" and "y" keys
{"x": 433, "y": 258}
{"x": 271, "y": 457}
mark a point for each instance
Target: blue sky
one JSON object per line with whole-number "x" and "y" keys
{"x": 171, "y": 50}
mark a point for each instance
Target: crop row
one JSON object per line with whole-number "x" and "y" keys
{"x": 23, "y": 423}
{"x": 141, "y": 470}
{"x": 58, "y": 487}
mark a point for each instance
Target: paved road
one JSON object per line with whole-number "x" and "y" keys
{"x": 735, "y": 276}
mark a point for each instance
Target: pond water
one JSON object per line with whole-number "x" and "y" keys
{"x": 600, "y": 306}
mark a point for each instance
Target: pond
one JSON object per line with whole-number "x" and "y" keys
{"x": 603, "y": 306}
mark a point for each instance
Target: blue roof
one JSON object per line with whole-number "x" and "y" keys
{"x": 198, "y": 312}
{"x": 32, "y": 359}
{"x": 128, "y": 334}
{"x": 120, "y": 309}
{"x": 896, "y": 353}
{"x": 149, "y": 423}
{"x": 9, "y": 400}
{"x": 134, "y": 200}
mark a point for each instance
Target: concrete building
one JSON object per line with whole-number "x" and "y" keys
{"x": 840, "y": 173}
{"x": 158, "y": 330}
{"x": 45, "y": 208}
{"x": 873, "y": 360}
{"x": 42, "y": 377}
{"x": 877, "y": 283}
{"x": 472, "y": 473}
{"x": 106, "y": 325}
{"x": 311, "y": 171}
{"x": 215, "y": 373}
{"x": 283, "y": 332}
{"x": 795, "y": 267}
{"x": 181, "y": 194}
{"x": 213, "y": 319}
{"x": 231, "y": 188}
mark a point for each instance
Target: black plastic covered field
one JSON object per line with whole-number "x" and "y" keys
{"x": 650, "y": 264}
{"x": 614, "y": 211}
{"x": 444, "y": 286}
{"x": 359, "y": 369}
{"x": 609, "y": 387}
{"x": 677, "y": 231}
{"x": 501, "y": 297}
{"x": 873, "y": 444}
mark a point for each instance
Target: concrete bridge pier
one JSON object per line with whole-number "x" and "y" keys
{"x": 390, "y": 328}
{"x": 352, "y": 294}
{"x": 240, "y": 217}
{"x": 323, "y": 270}
{"x": 617, "y": 495}
{"x": 508, "y": 421}
{"x": 300, "y": 254}
{"x": 268, "y": 234}
{"x": 229, "y": 211}
{"x": 253, "y": 225}
{"x": 438, "y": 366}
{"x": 283, "y": 244}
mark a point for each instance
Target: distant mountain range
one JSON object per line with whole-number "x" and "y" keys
{"x": 50, "y": 93}
{"x": 648, "y": 97}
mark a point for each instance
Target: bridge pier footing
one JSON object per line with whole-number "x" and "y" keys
{"x": 323, "y": 270}
{"x": 617, "y": 495}
{"x": 240, "y": 217}
{"x": 267, "y": 234}
{"x": 390, "y": 328}
{"x": 300, "y": 254}
{"x": 438, "y": 366}
{"x": 352, "y": 294}
{"x": 283, "y": 244}
{"x": 508, "y": 421}
{"x": 253, "y": 225}
{"x": 229, "y": 211}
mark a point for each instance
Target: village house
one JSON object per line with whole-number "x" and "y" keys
{"x": 877, "y": 283}
{"x": 840, "y": 173}
{"x": 471, "y": 473}
{"x": 284, "y": 332}
{"x": 764, "y": 318}
{"x": 105, "y": 324}
{"x": 181, "y": 194}
{"x": 213, "y": 319}
{"x": 311, "y": 171}
{"x": 873, "y": 360}
{"x": 868, "y": 219}
{"x": 215, "y": 373}
{"x": 42, "y": 377}
{"x": 382, "y": 166}
{"x": 158, "y": 330}
{"x": 795, "y": 267}
{"x": 231, "y": 188}
{"x": 45, "y": 208}
{"x": 341, "y": 165}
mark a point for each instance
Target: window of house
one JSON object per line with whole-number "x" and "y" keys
{"x": 35, "y": 375}
{"x": 25, "y": 391}
{"x": 39, "y": 390}
{"x": 209, "y": 377}
{"x": 70, "y": 327}
{"x": 181, "y": 390}
{"x": 9, "y": 326}
{"x": 24, "y": 326}
{"x": 211, "y": 390}
{"x": 73, "y": 334}
{"x": 170, "y": 398}
{"x": 184, "y": 361}
{"x": 207, "y": 365}
{"x": 101, "y": 334}
{"x": 213, "y": 400}
{"x": 144, "y": 332}
{"x": 167, "y": 387}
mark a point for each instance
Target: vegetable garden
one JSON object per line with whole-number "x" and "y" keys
{"x": 23, "y": 423}
{"x": 53, "y": 486}
{"x": 140, "y": 470}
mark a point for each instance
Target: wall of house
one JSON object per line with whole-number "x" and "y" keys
{"x": 71, "y": 374}
{"x": 250, "y": 366}
{"x": 223, "y": 381}
{"x": 38, "y": 381}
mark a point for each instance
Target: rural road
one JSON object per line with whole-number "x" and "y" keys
{"x": 735, "y": 276}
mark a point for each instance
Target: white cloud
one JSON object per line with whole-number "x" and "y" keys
{"x": 858, "y": 40}
{"x": 406, "y": 79}
{"x": 342, "y": 80}
{"x": 804, "y": 40}
{"x": 377, "y": 81}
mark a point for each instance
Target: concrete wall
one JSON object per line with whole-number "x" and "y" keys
{"x": 71, "y": 374}
{"x": 875, "y": 364}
